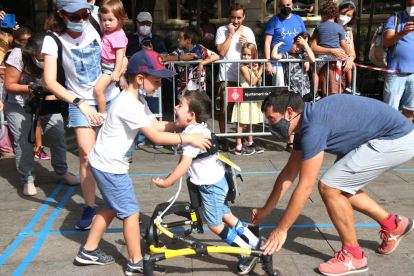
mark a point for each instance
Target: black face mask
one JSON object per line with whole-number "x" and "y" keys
{"x": 280, "y": 129}
{"x": 286, "y": 11}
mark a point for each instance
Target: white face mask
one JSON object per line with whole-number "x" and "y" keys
{"x": 40, "y": 64}
{"x": 144, "y": 30}
{"x": 193, "y": 23}
{"x": 410, "y": 11}
{"x": 343, "y": 19}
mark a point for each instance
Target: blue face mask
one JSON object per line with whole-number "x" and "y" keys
{"x": 95, "y": 9}
{"x": 142, "y": 92}
{"x": 77, "y": 27}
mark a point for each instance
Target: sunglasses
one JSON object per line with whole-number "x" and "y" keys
{"x": 77, "y": 18}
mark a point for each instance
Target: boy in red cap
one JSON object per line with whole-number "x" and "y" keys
{"x": 128, "y": 115}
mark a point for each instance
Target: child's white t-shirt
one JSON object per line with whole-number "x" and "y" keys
{"x": 81, "y": 62}
{"x": 233, "y": 53}
{"x": 125, "y": 117}
{"x": 205, "y": 171}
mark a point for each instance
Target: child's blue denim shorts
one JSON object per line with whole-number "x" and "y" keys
{"x": 214, "y": 204}
{"x": 77, "y": 119}
{"x": 107, "y": 68}
{"x": 117, "y": 192}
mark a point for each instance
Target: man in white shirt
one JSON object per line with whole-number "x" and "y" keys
{"x": 229, "y": 41}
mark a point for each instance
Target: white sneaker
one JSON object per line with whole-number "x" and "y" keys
{"x": 29, "y": 189}
{"x": 70, "y": 179}
{"x": 248, "y": 264}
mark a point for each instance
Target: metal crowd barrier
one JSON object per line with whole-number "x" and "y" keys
{"x": 251, "y": 61}
{"x": 3, "y": 123}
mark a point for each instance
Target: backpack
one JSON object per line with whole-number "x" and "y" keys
{"x": 378, "y": 54}
{"x": 60, "y": 76}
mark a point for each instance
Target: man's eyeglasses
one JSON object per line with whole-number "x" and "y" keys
{"x": 77, "y": 18}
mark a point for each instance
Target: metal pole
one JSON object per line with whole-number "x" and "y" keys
{"x": 357, "y": 44}
{"x": 303, "y": 78}
{"x": 198, "y": 14}
{"x": 354, "y": 78}
{"x": 33, "y": 14}
{"x": 276, "y": 82}
{"x": 327, "y": 79}
{"x": 212, "y": 95}
{"x": 2, "y": 124}
{"x": 340, "y": 80}
{"x": 371, "y": 15}
{"x": 314, "y": 83}
{"x": 225, "y": 99}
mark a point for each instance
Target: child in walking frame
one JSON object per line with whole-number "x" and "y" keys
{"x": 248, "y": 113}
{"x": 208, "y": 174}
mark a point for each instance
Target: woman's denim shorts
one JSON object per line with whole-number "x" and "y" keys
{"x": 77, "y": 119}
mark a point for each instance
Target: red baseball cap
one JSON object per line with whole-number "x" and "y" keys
{"x": 149, "y": 62}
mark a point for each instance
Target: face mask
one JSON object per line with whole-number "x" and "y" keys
{"x": 286, "y": 11}
{"x": 343, "y": 19}
{"x": 410, "y": 11}
{"x": 95, "y": 9}
{"x": 40, "y": 64}
{"x": 144, "y": 30}
{"x": 193, "y": 23}
{"x": 281, "y": 128}
{"x": 142, "y": 92}
{"x": 77, "y": 27}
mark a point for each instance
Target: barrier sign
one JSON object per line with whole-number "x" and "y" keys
{"x": 247, "y": 94}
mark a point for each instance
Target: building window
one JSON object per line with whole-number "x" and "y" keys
{"x": 383, "y": 6}
{"x": 182, "y": 9}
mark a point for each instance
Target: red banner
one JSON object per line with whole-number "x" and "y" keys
{"x": 234, "y": 94}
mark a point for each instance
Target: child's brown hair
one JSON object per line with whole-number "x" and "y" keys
{"x": 117, "y": 8}
{"x": 200, "y": 104}
{"x": 303, "y": 35}
{"x": 190, "y": 32}
{"x": 329, "y": 9}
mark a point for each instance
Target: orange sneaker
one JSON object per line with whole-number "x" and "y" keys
{"x": 344, "y": 263}
{"x": 391, "y": 239}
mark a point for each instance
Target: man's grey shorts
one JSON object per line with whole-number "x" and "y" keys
{"x": 365, "y": 163}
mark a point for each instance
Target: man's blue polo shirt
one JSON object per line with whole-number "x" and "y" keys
{"x": 340, "y": 123}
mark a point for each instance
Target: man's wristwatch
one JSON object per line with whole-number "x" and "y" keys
{"x": 77, "y": 102}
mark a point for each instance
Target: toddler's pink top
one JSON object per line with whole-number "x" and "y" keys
{"x": 110, "y": 42}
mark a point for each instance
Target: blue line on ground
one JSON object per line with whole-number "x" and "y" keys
{"x": 43, "y": 235}
{"x": 29, "y": 226}
{"x": 117, "y": 230}
{"x": 162, "y": 174}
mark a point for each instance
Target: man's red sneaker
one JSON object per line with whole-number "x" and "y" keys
{"x": 344, "y": 263}
{"x": 391, "y": 239}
